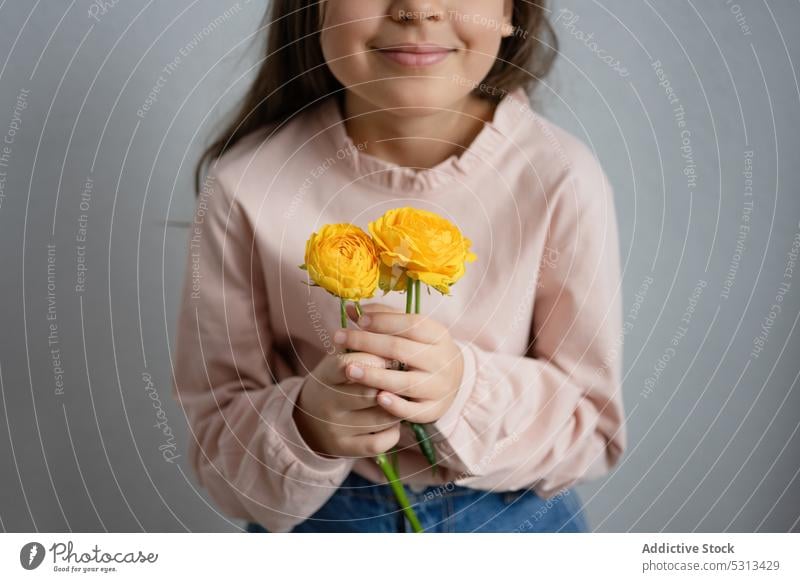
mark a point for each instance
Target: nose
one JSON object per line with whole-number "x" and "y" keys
{"x": 415, "y": 12}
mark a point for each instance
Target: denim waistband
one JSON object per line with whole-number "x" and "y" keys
{"x": 357, "y": 486}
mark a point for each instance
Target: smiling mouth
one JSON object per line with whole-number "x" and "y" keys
{"x": 415, "y": 55}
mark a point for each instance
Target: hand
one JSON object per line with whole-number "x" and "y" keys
{"x": 340, "y": 418}
{"x": 426, "y": 390}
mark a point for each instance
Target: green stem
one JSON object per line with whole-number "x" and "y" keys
{"x": 381, "y": 459}
{"x": 399, "y": 492}
{"x": 343, "y": 314}
{"x": 413, "y": 290}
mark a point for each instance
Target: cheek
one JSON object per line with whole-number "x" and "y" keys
{"x": 348, "y": 29}
{"x": 482, "y": 47}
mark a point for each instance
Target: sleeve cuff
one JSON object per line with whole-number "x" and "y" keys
{"x": 446, "y": 424}
{"x": 298, "y": 447}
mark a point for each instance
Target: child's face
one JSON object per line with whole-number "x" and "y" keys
{"x": 444, "y": 48}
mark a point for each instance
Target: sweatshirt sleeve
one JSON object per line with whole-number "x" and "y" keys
{"x": 553, "y": 416}
{"x": 237, "y": 391}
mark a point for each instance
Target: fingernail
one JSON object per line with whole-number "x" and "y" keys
{"x": 339, "y": 337}
{"x": 364, "y": 320}
{"x": 356, "y": 372}
{"x": 384, "y": 399}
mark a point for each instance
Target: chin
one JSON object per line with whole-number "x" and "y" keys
{"x": 416, "y": 97}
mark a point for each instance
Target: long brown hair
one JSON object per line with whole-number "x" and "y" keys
{"x": 294, "y": 74}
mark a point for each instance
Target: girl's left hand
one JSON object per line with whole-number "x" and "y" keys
{"x": 427, "y": 388}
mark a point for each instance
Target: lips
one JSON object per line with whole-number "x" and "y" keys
{"x": 415, "y": 55}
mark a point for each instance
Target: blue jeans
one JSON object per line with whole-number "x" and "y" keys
{"x": 360, "y": 505}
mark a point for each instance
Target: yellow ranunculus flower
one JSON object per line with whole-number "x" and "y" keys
{"x": 421, "y": 245}
{"x": 343, "y": 260}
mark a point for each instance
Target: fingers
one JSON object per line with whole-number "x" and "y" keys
{"x": 334, "y": 372}
{"x": 373, "y": 444}
{"x": 418, "y": 328}
{"x": 378, "y": 308}
{"x": 412, "y": 384}
{"x": 354, "y": 396}
{"x": 352, "y": 313}
{"x": 407, "y": 409}
{"x": 369, "y": 420}
{"x": 389, "y": 347}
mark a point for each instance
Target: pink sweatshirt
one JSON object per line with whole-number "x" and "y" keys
{"x": 537, "y": 316}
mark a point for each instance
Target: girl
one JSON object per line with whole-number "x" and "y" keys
{"x": 360, "y": 107}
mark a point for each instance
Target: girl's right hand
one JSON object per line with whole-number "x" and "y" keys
{"x": 338, "y": 417}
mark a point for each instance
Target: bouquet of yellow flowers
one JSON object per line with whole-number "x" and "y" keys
{"x": 407, "y": 247}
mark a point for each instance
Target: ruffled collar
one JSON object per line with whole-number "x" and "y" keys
{"x": 484, "y": 147}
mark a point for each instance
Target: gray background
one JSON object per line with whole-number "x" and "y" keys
{"x": 714, "y": 447}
